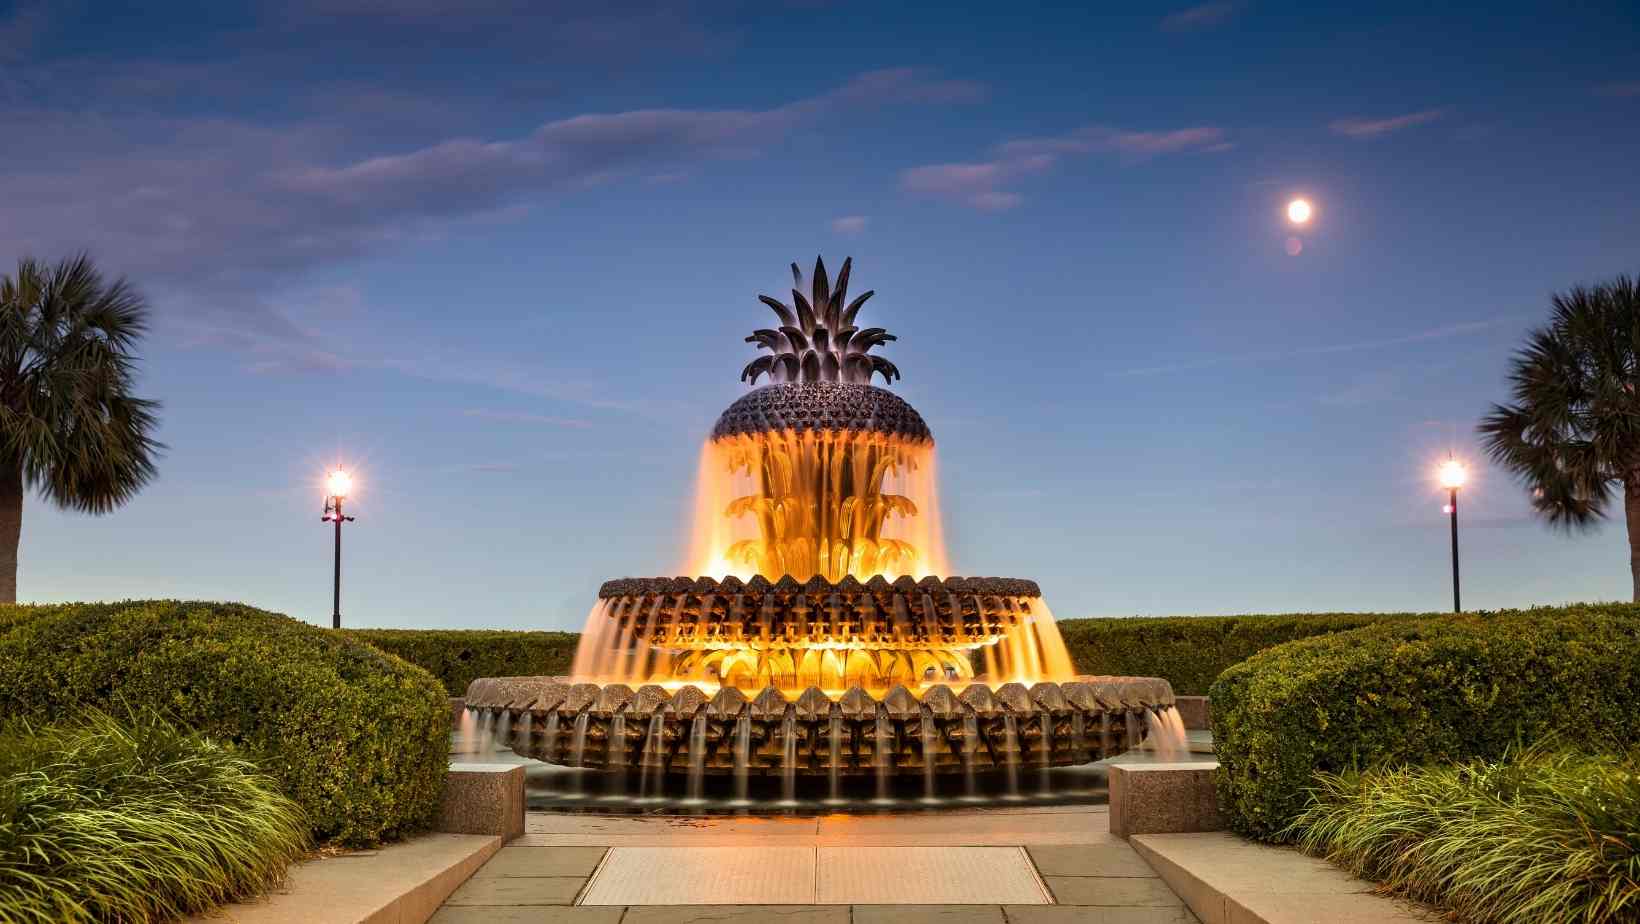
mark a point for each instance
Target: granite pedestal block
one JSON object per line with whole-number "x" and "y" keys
{"x": 483, "y": 799}
{"x": 1163, "y": 798}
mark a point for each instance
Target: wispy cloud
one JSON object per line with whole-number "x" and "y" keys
{"x": 1435, "y": 333}
{"x": 849, "y": 224}
{"x": 1373, "y": 128}
{"x": 982, "y": 184}
{"x": 1200, "y": 16}
{"x": 212, "y": 214}
{"x": 519, "y": 417}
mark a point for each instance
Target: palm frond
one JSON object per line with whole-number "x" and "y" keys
{"x": 1572, "y": 433}
{"x": 68, "y": 419}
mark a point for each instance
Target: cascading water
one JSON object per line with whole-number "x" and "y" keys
{"x": 883, "y": 756}
{"x": 550, "y": 749}
{"x": 616, "y": 760}
{"x": 788, "y": 760}
{"x": 1044, "y": 755}
{"x": 1169, "y": 740}
{"x": 836, "y": 762}
{"x": 652, "y": 759}
{"x": 1010, "y": 745}
{"x": 468, "y": 735}
{"x": 578, "y": 750}
{"x": 503, "y": 732}
{"x": 697, "y": 758}
{"x": 929, "y": 735}
{"x": 743, "y": 756}
{"x": 970, "y": 744}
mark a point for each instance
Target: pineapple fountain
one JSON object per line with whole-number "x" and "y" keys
{"x": 823, "y": 639}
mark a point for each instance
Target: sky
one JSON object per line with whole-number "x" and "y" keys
{"x": 499, "y": 257}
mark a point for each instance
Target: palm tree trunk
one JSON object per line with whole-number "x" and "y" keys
{"x": 1631, "y": 512}
{"x": 11, "y": 528}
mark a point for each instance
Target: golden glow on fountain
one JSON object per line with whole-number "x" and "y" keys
{"x": 813, "y": 494}
{"x": 831, "y": 504}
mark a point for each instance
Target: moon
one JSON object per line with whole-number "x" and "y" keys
{"x": 1299, "y": 211}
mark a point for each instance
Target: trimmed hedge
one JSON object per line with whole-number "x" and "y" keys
{"x": 457, "y": 657}
{"x": 1440, "y": 689}
{"x": 1191, "y": 651}
{"x": 358, "y": 738}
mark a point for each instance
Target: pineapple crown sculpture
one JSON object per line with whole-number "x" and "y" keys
{"x": 817, "y": 340}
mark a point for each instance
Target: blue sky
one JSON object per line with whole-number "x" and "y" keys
{"x": 500, "y": 256}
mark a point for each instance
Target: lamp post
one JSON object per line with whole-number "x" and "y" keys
{"x": 1452, "y": 478}
{"x": 336, "y": 487}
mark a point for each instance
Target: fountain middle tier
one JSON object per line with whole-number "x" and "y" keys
{"x": 829, "y": 634}
{"x": 939, "y": 731}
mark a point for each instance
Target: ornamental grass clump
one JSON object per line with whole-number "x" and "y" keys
{"x": 105, "y": 820}
{"x": 1545, "y": 836}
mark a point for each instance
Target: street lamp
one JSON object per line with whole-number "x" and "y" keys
{"x": 1453, "y": 476}
{"x": 337, "y": 485}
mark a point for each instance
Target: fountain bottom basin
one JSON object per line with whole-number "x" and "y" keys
{"x": 654, "y": 732}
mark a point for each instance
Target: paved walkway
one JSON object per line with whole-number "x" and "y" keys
{"x": 939, "y": 865}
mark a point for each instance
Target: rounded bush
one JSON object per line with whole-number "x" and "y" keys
{"x": 1442, "y": 689}
{"x": 457, "y": 657}
{"x": 358, "y": 738}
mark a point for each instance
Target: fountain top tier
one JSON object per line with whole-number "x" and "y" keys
{"x": 823, "y": 410}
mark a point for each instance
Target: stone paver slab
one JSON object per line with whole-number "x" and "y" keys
{"x": 927, "y": 875}
{"x": 738, "y": 914}
{"x": 963, "y": 825}
{"x": 537, "y": 890}
{"x": 1122, "y": 892}
{"x": 928, "y": 914}
{"x": 1116, "y": 859}
{"x": 1067, "y": 914}
{"x": 703, "y": 875}
{"x": 542, "y": 861}
{"x": 525, "y": 914}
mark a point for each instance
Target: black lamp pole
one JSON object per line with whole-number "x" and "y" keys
{"x": 1457, "y": 607}
{"x": 333, "y": 513}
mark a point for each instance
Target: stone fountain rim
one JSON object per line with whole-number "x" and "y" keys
{"x": 905, "y": 584}
{"x": 553, "y": 693}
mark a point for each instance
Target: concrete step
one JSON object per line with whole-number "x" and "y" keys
{"x": 1227, "y": 879}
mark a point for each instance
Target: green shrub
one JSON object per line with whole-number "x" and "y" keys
{"x": 1543, "y": 837}
{"x": 457, "y": 657}
{"x": 107, "y": 821}
{"x": 1191, "y": 651}
{"x": 358, "y": 738}
{"x": 1441, "y": 689}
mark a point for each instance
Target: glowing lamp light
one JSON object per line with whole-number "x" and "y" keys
{"x": 1299, "y": 211}
{"x": 1446, "y": 508}
{"x": 339, "y": 483}
{"x": 1453, "y": 474}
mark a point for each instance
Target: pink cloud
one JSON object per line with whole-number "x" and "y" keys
{"x": 981, "y": 184}
{"x": 1373, "y": 128}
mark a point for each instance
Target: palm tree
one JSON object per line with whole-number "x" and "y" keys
{"x": 69, "y": 425}
{"x": 1573, "y": 434}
